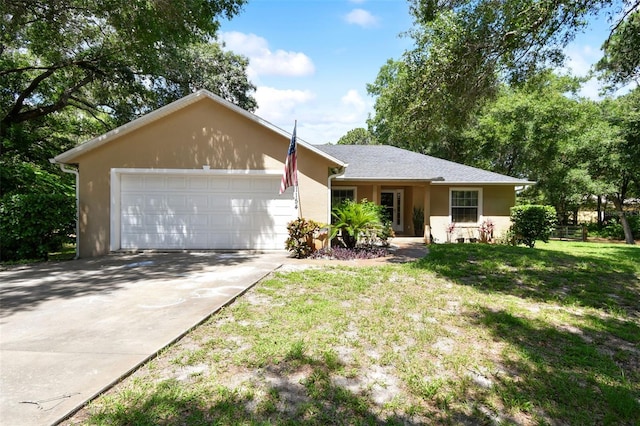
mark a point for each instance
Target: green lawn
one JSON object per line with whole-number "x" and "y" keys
{"x": 472, "y": 334}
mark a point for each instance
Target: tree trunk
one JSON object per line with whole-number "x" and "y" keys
{"x": 628, "y": 234}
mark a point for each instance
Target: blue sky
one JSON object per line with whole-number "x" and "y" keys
{"x": 312, "y": 59}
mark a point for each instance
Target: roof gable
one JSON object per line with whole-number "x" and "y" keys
{"x": 385, "y": 162}
{"x": 70, "y": 155}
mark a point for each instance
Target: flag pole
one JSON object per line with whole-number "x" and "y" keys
{"x": 290, "y": 174}
{"x": 296, "y": 190}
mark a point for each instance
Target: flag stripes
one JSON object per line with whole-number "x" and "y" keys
{"x": 290, "y": 175}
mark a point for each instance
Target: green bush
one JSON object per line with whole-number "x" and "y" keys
{"x": 300, "y": 241}
{"x": 613, "y": 229}
{"x": 355, "y": 222}
{"x": 532, "y": 222}
{"x": 33, "y": 225}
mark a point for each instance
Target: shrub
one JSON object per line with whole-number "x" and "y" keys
{"x": 33, "y": 225}
{"x": 532, "y": 222}
{"x": 300, "y": 241}
{"x": 357, "y": 221}
{"x": 613, "y": 228}
{"x": 341, "y": 253}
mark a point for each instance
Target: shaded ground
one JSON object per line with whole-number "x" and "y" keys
{"x": 470, "y": 335}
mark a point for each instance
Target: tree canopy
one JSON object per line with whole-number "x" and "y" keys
{"x": 475, "y": 88}
{"x": 621, "y": 62}
{"x": 464, "y": 50}
{"x": 358, "y": 136}
{"x": 609, "y": 152}
{"x": 73, "y": 69}
{"x": 113, "y": 59}
{"x": 530, "y": 131}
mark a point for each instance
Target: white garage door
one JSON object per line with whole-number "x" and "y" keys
{"x": 164, "y": 211}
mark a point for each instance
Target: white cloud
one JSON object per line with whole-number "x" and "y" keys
{"x": 581, "y": 58}
{"x": 319, "y": 121}
{"x": 353, "y": 98}
{"x": 275, "y": 105}
{"x": 362, "y": 18}
{"x": 330, "y": 122}
{"x": 263, "y": 61}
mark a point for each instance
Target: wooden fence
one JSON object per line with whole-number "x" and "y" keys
{"x": 570, "y": 233}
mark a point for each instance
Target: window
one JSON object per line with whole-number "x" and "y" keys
{"x": 338, "y": 195}
{"x": 465, "y": 206}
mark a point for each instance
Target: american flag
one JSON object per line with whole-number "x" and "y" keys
{"x": 290, "y": 175}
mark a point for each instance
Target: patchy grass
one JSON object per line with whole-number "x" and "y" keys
{"x": 471, "y": 334}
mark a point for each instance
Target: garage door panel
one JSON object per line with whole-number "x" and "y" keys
{"x": 179, "y": 182}
{"x": 219, "y": 184}
{"x": 203, "y": 212}
{"x": 240, "y": 185}
{"x": 132, "y": 182}
{"x": 164, "y": 241}
{"x": 198, "y": 201}
{"x": 153, "y": 181}
{"x": 198, "y": 183}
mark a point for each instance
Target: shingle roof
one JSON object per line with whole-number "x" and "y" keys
{"x": 384, "y": 162}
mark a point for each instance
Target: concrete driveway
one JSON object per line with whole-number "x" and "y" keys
{"x": 69, "y": 330}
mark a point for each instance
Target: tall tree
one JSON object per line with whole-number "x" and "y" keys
{"x": 463, "y": 51}
{"x": 530, "y": 131}
{"x": 358, "y": 136}
{"x": 117, "y": 57}
{"x": 72, "y": 69}
{"x": 611, "y": 153}
{"x": 621, "y": 61}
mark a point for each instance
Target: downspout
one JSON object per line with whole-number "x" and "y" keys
{"x": 337, "y": 173}
{"x": 77, "y": 186}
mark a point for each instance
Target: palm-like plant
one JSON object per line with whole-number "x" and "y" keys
{"x": 354, "y": 221}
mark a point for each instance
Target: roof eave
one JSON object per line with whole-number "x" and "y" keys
{"x": 73, "y": 153}
{"x": 343, "y": 178}
{"x": 514, "y": 182}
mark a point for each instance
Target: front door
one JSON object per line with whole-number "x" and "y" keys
{"x": 391, "y": 199}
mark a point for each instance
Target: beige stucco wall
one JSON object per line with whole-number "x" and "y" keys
{"x": 203, "y": 133}
{"x": 496, "y": 202}
{"x": 415, "y": 194}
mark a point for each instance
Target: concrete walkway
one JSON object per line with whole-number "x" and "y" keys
{"x": 68, "y": 330}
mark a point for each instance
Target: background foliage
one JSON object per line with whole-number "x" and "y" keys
{"x": 476, "y": 87}
{"x": 73, "y": 69}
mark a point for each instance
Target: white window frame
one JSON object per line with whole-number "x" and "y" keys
{"x": 480, "y": 198}
{"x": 344, "y": 188}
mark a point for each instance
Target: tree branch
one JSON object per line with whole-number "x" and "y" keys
{"x": 18, "y": 104}
{"x": 62, "y": 102}
{"x": 621, "y": 21}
